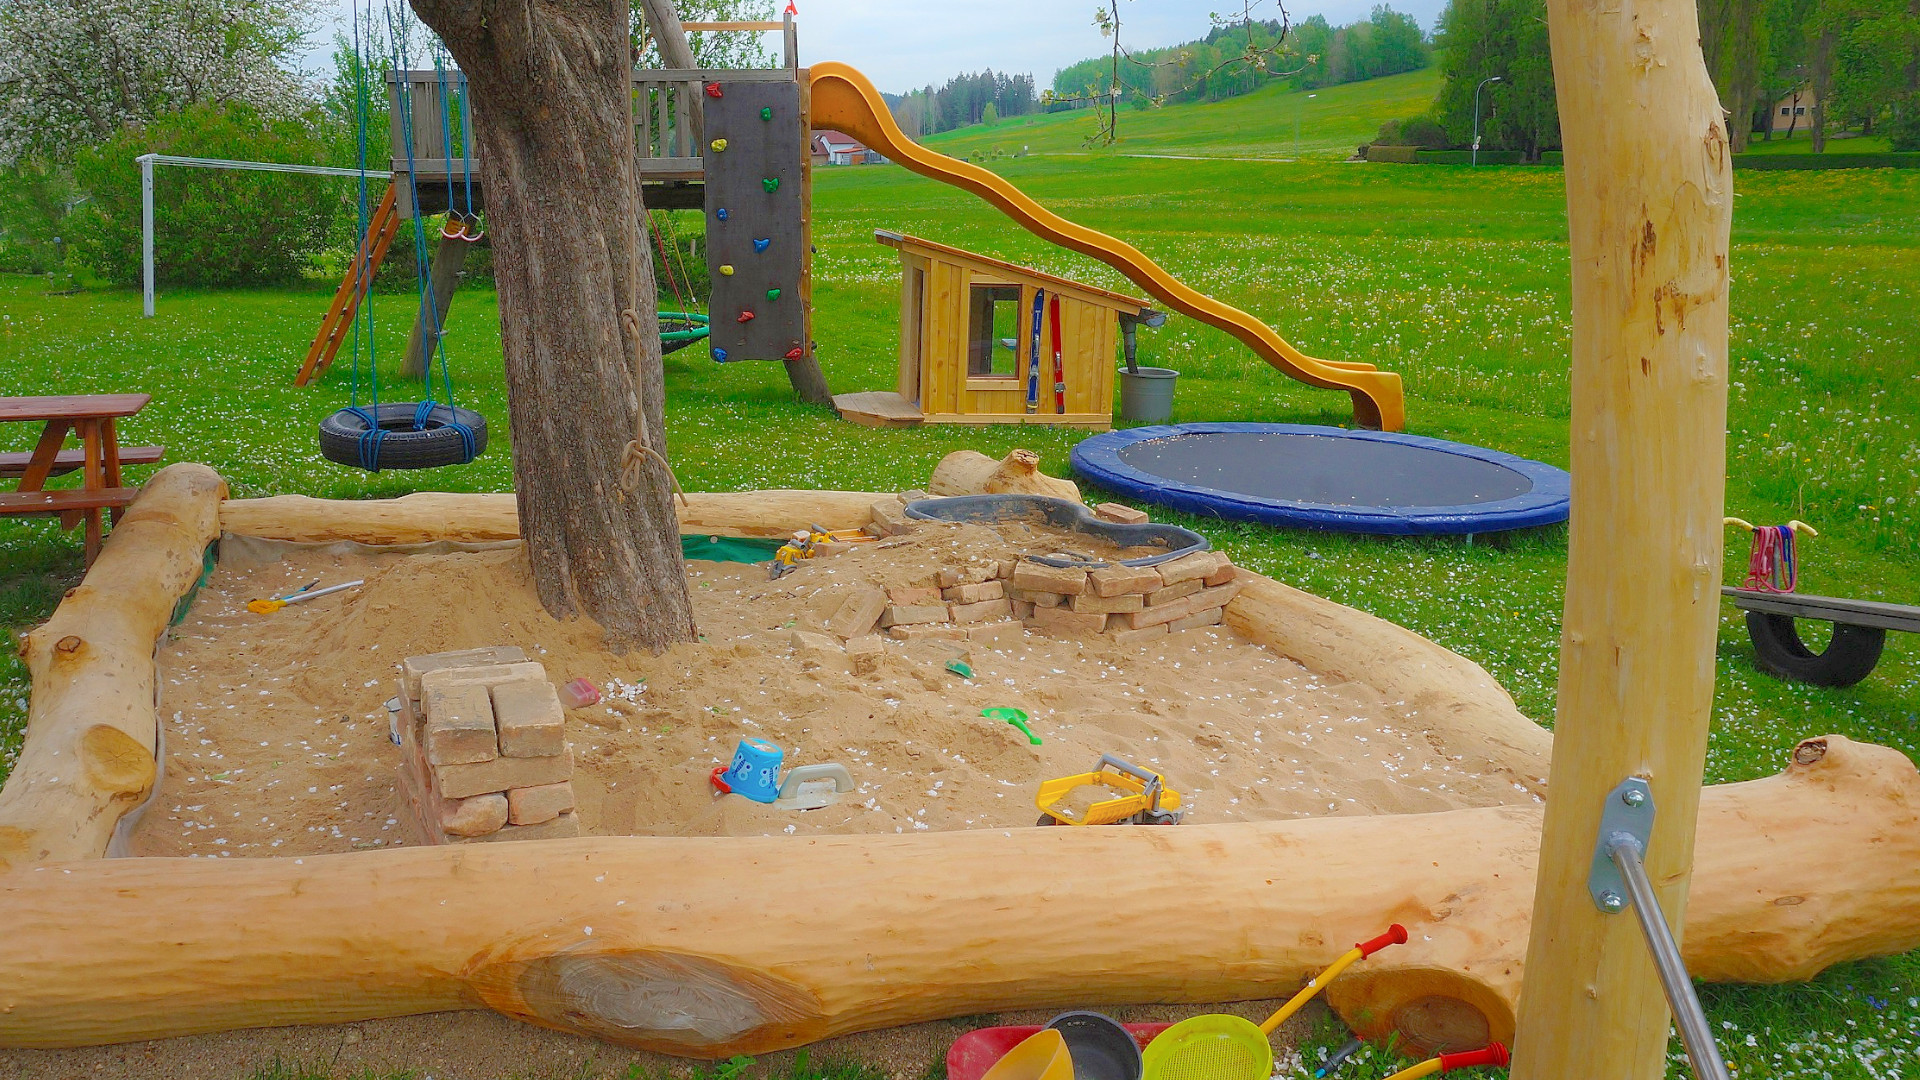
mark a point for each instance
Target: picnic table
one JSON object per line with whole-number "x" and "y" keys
{"x": 99, "y": 457}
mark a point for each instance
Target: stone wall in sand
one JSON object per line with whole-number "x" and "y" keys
{"x": 483, "y": 749}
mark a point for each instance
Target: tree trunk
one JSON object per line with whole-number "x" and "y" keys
{"x": 553, "y": 123}
{"x": 1820, "y": 77}
{"x": 1649, "y": 214}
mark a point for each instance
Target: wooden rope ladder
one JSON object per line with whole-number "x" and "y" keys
{"x": 346, "y": 300}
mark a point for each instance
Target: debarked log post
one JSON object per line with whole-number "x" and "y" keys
{"x": 714, "y": 946}
{"x": 91, "y": 727}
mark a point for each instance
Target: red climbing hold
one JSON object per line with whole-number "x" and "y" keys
{"x": 713, "y": 90}
{"x": 796, "y": 353}
{"x": 745, "y": 316}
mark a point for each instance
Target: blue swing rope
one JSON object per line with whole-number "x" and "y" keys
{"x": 370, "y": 440}
{"x": 466, "y": 153}
{"x": 446, "y": 133}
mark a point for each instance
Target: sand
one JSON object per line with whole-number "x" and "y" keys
{"x": 277, "y": 735}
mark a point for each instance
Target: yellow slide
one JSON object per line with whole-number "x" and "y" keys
{"x": 844, "y": 100}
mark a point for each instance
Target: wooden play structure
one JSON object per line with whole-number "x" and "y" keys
{"x": 665, "y": 943}
{"x": 976, "y": 338}
{"x": 735, "y": 144}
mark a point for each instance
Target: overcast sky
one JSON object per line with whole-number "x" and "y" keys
{"x": 904, "y": 44}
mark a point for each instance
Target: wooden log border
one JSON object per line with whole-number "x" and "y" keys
{"x": 715, "y": 946}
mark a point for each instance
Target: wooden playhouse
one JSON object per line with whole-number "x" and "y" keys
{"x": 967, "y": 344}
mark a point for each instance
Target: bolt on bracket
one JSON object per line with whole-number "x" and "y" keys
{"x": 1625, "y": 820}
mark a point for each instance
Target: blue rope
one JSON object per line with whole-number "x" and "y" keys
{"x": 361, "y": 271}
{"x": 446, "y": 122}
{"x": 466, "y": 145}
{"x": 370, "y": 439}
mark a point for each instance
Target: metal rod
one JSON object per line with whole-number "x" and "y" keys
{"x": 1702, "y": 1051}
{"x": 149, "y": 160}
{"x": 146, "y": 233}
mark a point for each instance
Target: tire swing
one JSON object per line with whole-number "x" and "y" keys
{"x": 422, "y": 434}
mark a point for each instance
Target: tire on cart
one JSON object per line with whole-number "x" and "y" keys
{"x": 1848, "y": 658}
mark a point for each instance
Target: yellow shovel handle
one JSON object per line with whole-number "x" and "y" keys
{"x": 1395, "y": 935}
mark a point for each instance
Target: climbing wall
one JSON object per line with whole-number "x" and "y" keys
{"x": 756, "y": 235}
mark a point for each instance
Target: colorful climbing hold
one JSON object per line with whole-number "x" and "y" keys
{"x": 726, "y": 269}
{"x": 721, "y": 213}
{"x": 771, "y": 183}
{"x": 796, "y": 353}
{"x": 744, "y": 316}
{"x": 766, "y": 113}
{"x": 719, "y": 146}
{"x": 720, "y": 355}
{"x": 761, "y": 244}
{"x": 773, "y": 294}
{"x": 713, "y": 90}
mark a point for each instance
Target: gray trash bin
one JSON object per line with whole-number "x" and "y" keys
{"x": 1146, "y": 395}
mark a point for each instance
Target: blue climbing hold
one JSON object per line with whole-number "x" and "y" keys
{"x": 720, "y": 356}
{"x": 721, "y": 213}
{"x": 762, "y": 245}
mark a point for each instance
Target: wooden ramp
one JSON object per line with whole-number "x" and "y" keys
{"x": 878, "y": 408}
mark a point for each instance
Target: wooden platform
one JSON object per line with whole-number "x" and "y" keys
{"x": 1829, "y": 609}
{"x": 877, "y": 408}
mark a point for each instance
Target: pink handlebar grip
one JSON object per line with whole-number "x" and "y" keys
{"x": 1491, "y": 1054}
{"x": 1395, "y": 935}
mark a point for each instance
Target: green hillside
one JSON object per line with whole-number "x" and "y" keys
{"x": 1259, "y": 125}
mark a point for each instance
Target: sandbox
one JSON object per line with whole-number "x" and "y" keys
{"x": 1390, "y": 781}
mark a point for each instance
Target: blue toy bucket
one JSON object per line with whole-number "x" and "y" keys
{"x": 755, "y": 771}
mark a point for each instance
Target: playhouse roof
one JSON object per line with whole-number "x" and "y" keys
{"x": 836, "y": 142}
{"x": 1090, "y": 293}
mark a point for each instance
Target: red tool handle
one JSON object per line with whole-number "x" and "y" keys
{"x": 1491, "y": 1054}
{"x": 719, "y": 785}
{"x": 1395, "y": 935}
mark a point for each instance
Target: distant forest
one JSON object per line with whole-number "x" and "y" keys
{"x": 964, "y": 101}
{"x": 1229, "y": 61}
{"x": 1242, "y": 57}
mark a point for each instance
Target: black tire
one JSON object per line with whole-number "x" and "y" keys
{"x": 436, "y": 444}
{"x": 1848, "y": 658}
{"x": 1046, "y": 819}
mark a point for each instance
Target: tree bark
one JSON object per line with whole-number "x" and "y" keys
{"x": 1820, "y": 77}
{"x": 1649, "y": 214}
{"x": 554, "y": 128}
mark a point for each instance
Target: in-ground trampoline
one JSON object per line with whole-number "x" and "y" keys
{"x": 1326, "y": 478}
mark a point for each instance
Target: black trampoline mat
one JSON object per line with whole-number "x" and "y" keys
{"x": 1328, "y": 470}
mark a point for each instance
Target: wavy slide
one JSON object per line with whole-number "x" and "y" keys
{"x": 844, "y": 100}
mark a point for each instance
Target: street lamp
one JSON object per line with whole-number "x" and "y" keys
{"x": 1296, "y": 122}
{"x": 1476, "y": 114}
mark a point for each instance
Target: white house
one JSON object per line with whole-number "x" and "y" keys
{"x": 834, "y": 148}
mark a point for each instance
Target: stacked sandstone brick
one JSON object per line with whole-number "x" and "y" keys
{"x": 994, "y": 602}
{"x": 483, "y": 745}
{"x": 1126, "y": 603}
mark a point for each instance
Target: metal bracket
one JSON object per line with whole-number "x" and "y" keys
{"x": 1626, "y": 819}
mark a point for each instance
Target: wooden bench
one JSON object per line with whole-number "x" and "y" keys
{"x": 1859, "y": 633}
{"x": 15, "y": 464}
{"x": 93, "y": 418}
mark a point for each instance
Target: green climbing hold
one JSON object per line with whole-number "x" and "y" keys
{"x": 773, "y": 294}
{"x": 766, "y": 113}
{"x": 771, "y": 183}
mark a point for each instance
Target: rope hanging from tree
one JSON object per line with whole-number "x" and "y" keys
{"x": 633, "y": 456}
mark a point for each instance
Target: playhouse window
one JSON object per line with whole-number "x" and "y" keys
{"x": 993, "y": 331}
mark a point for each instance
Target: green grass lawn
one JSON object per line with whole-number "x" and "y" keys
{"x": 1331, "y": 122}
{"x": 1455, "y": 278}
{"x": 1802, "y": 143}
